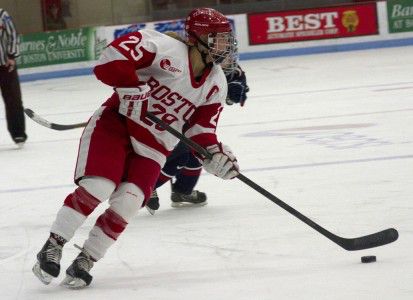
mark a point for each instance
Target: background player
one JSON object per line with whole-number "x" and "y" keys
{"x": 182, "y": 168}
{"x": 9, "y": 79}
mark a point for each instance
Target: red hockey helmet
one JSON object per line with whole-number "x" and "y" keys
{"x": 216, "y": 27}
{"x": 206, "y": 20}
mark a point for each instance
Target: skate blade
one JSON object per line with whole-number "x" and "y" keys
{"x": 150, "y": 210}
{"x": 187, "y": 204}
{"x": 42, "y": 275}
{"x": 73, "y": 283}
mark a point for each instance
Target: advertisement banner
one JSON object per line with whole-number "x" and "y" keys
{"x": 400, "y": 15}
{"x": 58, "y": 47}
{"x": 312, "y": 24}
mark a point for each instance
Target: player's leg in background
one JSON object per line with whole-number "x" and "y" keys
{"x": 183, "y": 193}
{"x": 11, "y": 92}
{"x": 175, "y": 161}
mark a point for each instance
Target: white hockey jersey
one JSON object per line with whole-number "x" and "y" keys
{"x": 188, "y": 105}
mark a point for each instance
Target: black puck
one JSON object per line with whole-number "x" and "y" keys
{"x": 368, "y": 259}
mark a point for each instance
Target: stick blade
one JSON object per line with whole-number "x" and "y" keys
{"x": 370, "y": 241}
{"x": 31, "y": 114}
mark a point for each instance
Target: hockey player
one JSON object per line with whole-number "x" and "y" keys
{"x": 121, "y": 151}
{"x": 182, "y": 166}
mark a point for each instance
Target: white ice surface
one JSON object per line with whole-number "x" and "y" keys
{"x": 330, "y": 134}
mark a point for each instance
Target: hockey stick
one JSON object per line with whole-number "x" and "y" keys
{"x": 38, "y": 119}
{"x": 351, "y": 244}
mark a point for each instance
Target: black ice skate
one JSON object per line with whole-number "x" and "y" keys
{"x": 20, "y": 140}
{"x": 196, "y": 198}
{"x": 77, "y": 275}
{"x": 153, "y": 203}
{"x": 48, "y": 259}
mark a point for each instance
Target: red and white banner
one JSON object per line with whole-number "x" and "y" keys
{"x": 312, "y": 24}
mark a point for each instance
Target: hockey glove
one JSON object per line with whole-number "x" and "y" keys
{"x": 223, "y": 163}
{"x": 131, "y": 100}
{"x": 237, "y": 87}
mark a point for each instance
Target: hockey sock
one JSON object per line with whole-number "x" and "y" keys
{"x": 161, "y": 180}
{"x": 77, "y": 206}
{"x": 107, "y": 229}
{"x": 186, "y": 181}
